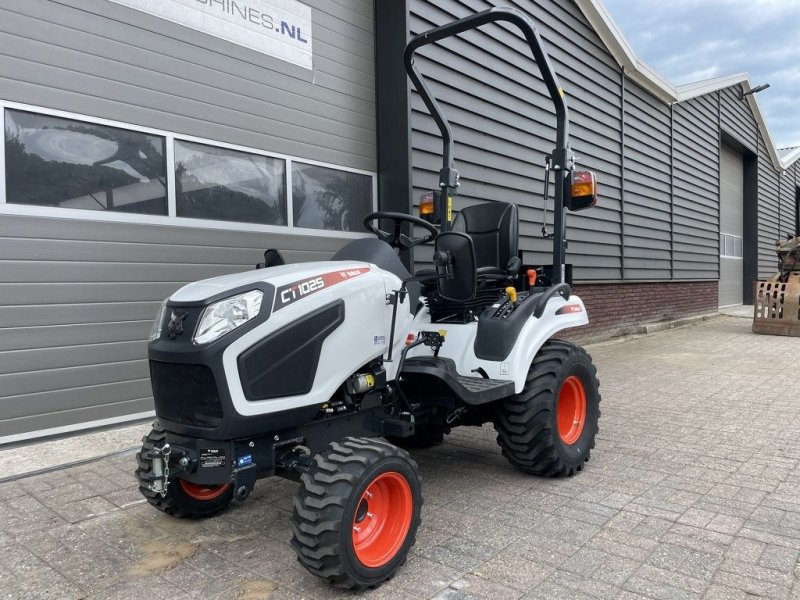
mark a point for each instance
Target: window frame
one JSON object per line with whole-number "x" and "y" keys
{"x": 733, "y": 237}
{"x": 171, "y": 218}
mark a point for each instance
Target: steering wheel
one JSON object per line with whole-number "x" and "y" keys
{"x": 396, "y": 239}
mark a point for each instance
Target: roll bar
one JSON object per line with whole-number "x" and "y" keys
{"x": 562, "y": 158}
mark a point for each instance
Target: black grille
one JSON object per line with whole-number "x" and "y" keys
{"x": 447, "y": 311}
{"x": 185, "y": 394}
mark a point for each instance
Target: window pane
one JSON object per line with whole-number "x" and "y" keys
{"x": 729, "y": 245}
{"x": 737, "y": 247}
{"x": 216, "y": 183}
{"x": 60, "y": 162}
{"x": 325, "y": 198}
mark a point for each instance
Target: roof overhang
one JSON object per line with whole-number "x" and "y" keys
{"x": 641, "y": 73}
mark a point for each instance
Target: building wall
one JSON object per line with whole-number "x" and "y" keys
{"x": 648, "y": 185}
{"x": 503, "y": 123}
{"x": 657, "y": 165}
{"x": 77, "y": 296}
{"x": 769, "y": 225}
{"x": 613, "y": 307}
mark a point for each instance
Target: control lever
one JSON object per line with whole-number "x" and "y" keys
{"x": 531, "y": 277}
{"x": 511, "y": 292}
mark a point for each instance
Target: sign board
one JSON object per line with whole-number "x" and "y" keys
{"x": 279, "y": 28}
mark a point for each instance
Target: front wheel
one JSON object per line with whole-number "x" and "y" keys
{"x": 183, "y": 498}
{"x": 549, "y": 428}
{"x": 357, "y": 512}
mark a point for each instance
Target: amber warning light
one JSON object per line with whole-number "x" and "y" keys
{"x": 427, "y": 206}
{"x": 584, "y": 190}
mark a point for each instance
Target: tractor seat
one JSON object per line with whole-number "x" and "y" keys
{"x": 494, "y": 229}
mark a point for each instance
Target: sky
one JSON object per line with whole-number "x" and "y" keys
{"x": 691, "y": 40}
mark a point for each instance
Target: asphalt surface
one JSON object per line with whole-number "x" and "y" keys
{"x": 693, "y": 491}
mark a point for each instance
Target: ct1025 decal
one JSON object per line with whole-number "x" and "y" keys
{"x": 297, "y": 290}
{"x": 569, "y": 308}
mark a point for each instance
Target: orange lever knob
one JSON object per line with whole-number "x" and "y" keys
{"x": 531, "y": 277}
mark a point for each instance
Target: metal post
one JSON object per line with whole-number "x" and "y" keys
{"x": 559, "y": 225}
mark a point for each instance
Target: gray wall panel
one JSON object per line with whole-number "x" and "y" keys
{"x": 768, "y": 207}
{"x": 77, "y": 300}
{"x": 107, "y": 60}
{"x": 731, "y": 183}
{"x": 647, "y": 185}
{"x": 18, "y": 361}
{"x": 503, "y": 122}
{"x": 75, "y": 416}
{"x": 736, "y": 118}
{"x": 696, "y": 189}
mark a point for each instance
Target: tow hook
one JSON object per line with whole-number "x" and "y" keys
{"x": 159, "y": 458}
{"x": 158, "y": 480}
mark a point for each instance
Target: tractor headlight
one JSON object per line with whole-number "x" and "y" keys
{"x": 226, "y": 315}
{"x": 155, "y": 332}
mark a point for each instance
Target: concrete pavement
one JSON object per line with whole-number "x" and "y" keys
{"x": 693, "y": 491}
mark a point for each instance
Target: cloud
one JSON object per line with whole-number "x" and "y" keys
{"x": 686, "y": 41}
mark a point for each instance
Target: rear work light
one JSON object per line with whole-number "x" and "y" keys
{"x": 584, "y": 191}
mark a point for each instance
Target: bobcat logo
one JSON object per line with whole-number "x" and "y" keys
{"x": 175, "y": 325}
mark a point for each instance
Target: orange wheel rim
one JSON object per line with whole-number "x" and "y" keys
{"x": 203, "y": 493}
{"x": 571, "y": 410}
{"x": 382, "y": 519}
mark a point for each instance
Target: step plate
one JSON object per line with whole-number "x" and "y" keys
{"x": 470, "y": 390}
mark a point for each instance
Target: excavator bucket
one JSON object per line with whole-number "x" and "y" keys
{"x": 777, "y": 301}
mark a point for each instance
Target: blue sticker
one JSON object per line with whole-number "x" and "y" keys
{"x": 245, "y": 460}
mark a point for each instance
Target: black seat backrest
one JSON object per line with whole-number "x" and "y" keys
{"x": 494, "y": 229}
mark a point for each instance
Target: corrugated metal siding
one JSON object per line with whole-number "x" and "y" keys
{"x": 76, "y": 297}
{"x": 77, "y": 300}
{"x": 99, "y": 58}
{"x": 647, "y": 185}
{"x": 768, "y": 222}
{"x": 696, "y": 189}
{"x": 793, "y": 192}
{"x": 788, "y": 200}
{"x": 736, "y": 118}
{"x": 503, "y": 122}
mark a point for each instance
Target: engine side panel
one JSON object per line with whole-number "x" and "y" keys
{"x": 361, "y": 337}
{"x": 285, "y": 362}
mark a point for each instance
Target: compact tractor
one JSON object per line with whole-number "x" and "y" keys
{"x": 323, "y": 372}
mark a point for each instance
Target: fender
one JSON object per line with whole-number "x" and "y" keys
{"x": 558, "y": 314}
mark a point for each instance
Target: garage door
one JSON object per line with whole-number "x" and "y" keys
{"x": 730, "y": 226}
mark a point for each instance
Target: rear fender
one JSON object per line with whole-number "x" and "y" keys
{"x": 559, "y": 314}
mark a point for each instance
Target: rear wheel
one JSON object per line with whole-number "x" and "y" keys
{"x": 549, "y": 428}
{"x": 357, "y": 512}
{"x": 183, "y": 498}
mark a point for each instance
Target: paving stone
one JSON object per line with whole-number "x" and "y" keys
{"x": 460, "y": 553}
{"x": 625, "y": 521}
{"x": 725, "y": 524}
{"x": 696, "y": 517}
{"x": 723, "y": 592}
{"x": 471, "y": 586}
{"x": 515, "y": 571}
{"x": 692, "y": 491}
{"x": 779, "y": 558}
{"x": 751, "y": 585}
